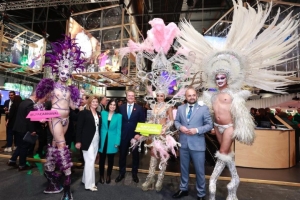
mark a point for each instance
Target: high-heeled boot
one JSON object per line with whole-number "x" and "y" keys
{"x": 67, "y": 189}
{"x": 160, "y": 177}
{"x": 65, "y": 164}
{"x": 219, "y": 167}
{"x": 150, "y": 180}
{"x": 235, "y": 180}
{"x": 53, "y": 178}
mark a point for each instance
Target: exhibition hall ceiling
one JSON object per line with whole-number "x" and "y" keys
{"x": 50, "y": 20}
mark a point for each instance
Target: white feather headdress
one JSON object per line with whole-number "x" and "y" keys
{"x": 246, "y": 55}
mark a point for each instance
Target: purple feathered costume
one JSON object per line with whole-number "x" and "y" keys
{"x": 64, "y": 60}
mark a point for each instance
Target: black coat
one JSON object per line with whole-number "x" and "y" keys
{"x": 12, "y": 115}
{"x": 86, "y": 128}
{"x": 6, "y": 105}
{"x": 23, "y": 124}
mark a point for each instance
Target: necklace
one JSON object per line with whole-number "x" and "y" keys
{"x": 160, "y": 105}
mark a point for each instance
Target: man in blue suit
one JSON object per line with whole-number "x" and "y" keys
{"x": 192, "y": 121}
{"x": 131, "y": 115}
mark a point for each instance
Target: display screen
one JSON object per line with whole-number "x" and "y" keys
{"x": 23, "y": 90}
{"x": 4, "y": 94}
{"x": 35, "y": 55}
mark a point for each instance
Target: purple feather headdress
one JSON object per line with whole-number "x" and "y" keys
{"x": 66, "y": 55}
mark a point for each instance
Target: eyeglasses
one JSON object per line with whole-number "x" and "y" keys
{"x": 221, "y": 78}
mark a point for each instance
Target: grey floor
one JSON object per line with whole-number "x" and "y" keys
{"x": 29, "y": 185}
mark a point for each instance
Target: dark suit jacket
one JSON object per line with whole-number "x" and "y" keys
{"x": 6, "y": 104}
{"x": 129, "y": 125}
{"x": 86, "y": 128}
{"x": 12, "y": 115}
{"x": 23, "y": 124}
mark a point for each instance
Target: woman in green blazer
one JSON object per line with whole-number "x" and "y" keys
{"x": 110, "y": 135}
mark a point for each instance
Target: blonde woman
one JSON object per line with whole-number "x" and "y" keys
{"x": 87, "y": 138}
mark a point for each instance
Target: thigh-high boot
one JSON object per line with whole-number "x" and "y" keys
{"x": 53, "y": 178}
{"x": 150, "y": 178}
{"x": 160, "y": 177}
{"x": 222, "y": 159}
{"x": 235, "y": 180}
{"x": 65, "y": 164}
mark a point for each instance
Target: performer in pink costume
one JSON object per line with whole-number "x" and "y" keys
{"x": 155, "y": 48}
{"x": 65, "y": 59}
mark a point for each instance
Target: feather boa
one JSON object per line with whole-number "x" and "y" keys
{"x": 44, "y": 87}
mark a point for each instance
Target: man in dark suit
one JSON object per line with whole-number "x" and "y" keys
{"x": 131, "y": 115}
{"x": 21, "y": 127}
{"x": 6, "y": 107}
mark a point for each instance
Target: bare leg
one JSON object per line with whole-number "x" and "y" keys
{"x": 219, "y": 167}
{"x": 63, "y": 156}
{"x": 225, "y": 149}
{"x": 225, "y": 141}
{"x": 219, "y": 135}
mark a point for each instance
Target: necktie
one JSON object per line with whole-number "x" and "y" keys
{"x": 129, "y": 111}
{"x": 189, "y": 113}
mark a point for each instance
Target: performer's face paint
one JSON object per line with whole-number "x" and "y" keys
{"x": 221, "y": 80}
{"x": 64, "y": 75}
{"x": 160, "y": 97}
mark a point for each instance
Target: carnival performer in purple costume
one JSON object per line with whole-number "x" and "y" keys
{"x": 63, "y": 61}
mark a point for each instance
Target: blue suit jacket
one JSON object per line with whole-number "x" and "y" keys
{"x": 129, "y": 125}
{"x": 200, "y": 119}
{"x": 113, "y": 131}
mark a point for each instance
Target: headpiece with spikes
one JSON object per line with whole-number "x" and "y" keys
{"x": 66, "y": 55}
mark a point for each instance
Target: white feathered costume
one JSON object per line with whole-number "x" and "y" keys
{"x": 245, "y": 58}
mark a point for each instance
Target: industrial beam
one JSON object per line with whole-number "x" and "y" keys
{"x": 181, "y": 12}
{"x": 19, "y": 5}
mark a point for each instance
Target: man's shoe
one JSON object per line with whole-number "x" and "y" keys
{"x": 10, "y": 163}
{"x": 180, "y": 194}
{"x": 26, "y": 167}
{"x": 135, "y": 178}
{"x": 119, "y": 178}
{"x": 201, "y": 198}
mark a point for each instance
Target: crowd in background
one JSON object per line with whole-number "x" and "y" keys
{"x": 265, "y": 117}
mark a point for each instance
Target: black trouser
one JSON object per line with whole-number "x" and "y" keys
{"x": 110, "y": 163}
{"x": 110, "y": 160}
{"x": 21, "y": 151}
{"x": 42, "y": 141}
{"x": 124, "y": 146}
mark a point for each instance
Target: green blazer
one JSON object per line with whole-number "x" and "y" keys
{"x": 113, "y": 132}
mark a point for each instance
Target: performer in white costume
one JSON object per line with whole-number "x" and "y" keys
{"x": 243, "y": 60}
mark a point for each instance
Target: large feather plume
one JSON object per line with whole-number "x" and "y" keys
{"x": 253, "y": 53}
